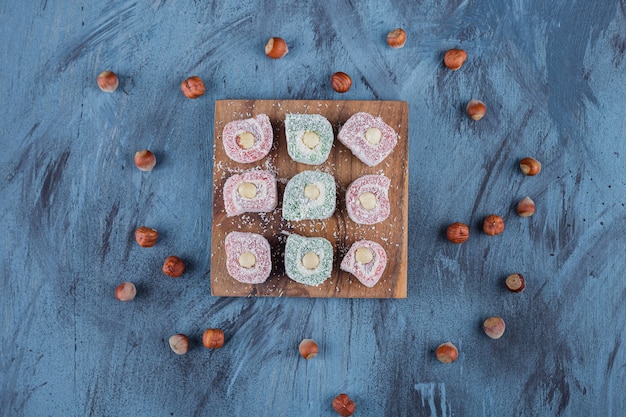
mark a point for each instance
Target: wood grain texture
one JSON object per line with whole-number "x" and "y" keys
{"x": 552, "y": 76}
{"x": 340, "y": 230}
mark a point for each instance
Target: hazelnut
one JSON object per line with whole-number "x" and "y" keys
{"x": 454, "y": 59}
{"x": 145, "y": 160}
{"x": 310, "y": 260}
{"x": 530, "y": 166}
{"x": 308, "y": 349}
{"x": 493, "y": 225}
{"x": 310, "y": 139}
{"x": 458, "y": 232}
{"x": 515, "y": 283}
{"x": 312, "y": 192}
{"x": 373, "y": 135}
{"x": 247, "y": 190}
{"x": 341, "y": 82}
{"x": 396, "y": 38}
{"x": 276, "y": 48}
{"x": 108, "y": 81}
{"x": 247, "y": 260}
{"x": 146, "y": 237}
{"x": 213, "y": 338}
{"x": 363, "y": 255}
{"x": 126, "y": 291}
{"x": 494, "y": 327}
{"x": 193, "y": 87}
{"x": 368, "y": 200}
{"x": 245, "y": 140}
{"x": 476, "y": 109}
{"x": 447, "y": 353}
{"x": 526, "y": 207}
{"x": 173, "y": 267}
{"x": 179, "y": 343}
{"x": 343, "y": 405}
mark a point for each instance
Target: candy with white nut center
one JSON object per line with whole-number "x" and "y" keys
{"x": 252, "y": 191}
{"x": 309, "y": 138}
{"x": 248, "y": 257}
{"x": 366, "y": 260}
{"x": 367, "y": 200}
{"x": 248, "y": 140}
{"x": 368, "y": 137}
{"x": 308, "y": 260}
{"x": 310, "y": 195}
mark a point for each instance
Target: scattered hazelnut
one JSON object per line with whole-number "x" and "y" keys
{"x": 108, "y": 81}
{"x": 179, "y": 344}
{"x": 458, "y": 232}
{"x": 515, "y": 283}
{"x": 193, "y": 87}
{"x": 173, "y": 267}
{"x": 276, "y": 48}
{"x": 476, "y": 109}
{"x": 396, "y": 38}
{"x": 368, "y": 200}
{"x": 146, "y": 237}
{"x": 145, "y": 160}
{"x": 308, "y": 349}
{"x": 447, "y": 352}
{"x": 454, "y": 59}
{"x": 341, "y": 82}
{"x": 343, "y": 405}
{"x": 126, "y": 291}
{"x": 530, "y": 166}
{"x": 494, "y": 327}
{"x": 526, "y": 207}
{"x": 213, "y": 338}
{"x": 493, "y": 225}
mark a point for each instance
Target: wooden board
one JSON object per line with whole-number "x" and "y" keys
{"x": 392, "y": 234}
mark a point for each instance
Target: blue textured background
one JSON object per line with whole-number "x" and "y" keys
{"x": 552, "y": 74}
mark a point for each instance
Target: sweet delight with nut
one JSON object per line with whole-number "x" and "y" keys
{"x": 367, "y": 200}
{"x": 309, "y": 138}
{"x": 310, "y": 195}
{"x": 248, "y": 140}
{"x": 308, "y": 260}
{"x": 173, "y": 267}
{"x": 252, "y": 191}
{"x": 368, "y": 137}
{"x": 343, "y": 405}
{"x": 248, "y": 257}
{"x": 366, "y": 260}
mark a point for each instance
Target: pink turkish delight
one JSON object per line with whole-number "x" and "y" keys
{"x": 368, "y": 137}
{"x": 366, "y": 260}
{"x": 367, "y": 200}
{"x": 248, "y": 257}
{"x": 248, "y": 140}
{"x": 252, "y": 191}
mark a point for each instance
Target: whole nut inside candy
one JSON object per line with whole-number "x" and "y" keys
{"x": 173, "y": 267}
{"x": 276, "y": 48}
{"x": 146, "y": 237}
{"x": 145, "y": 160}
{"x": 213, "y": 338}
{"x": 447, "y": 352}
{"x": 458, "y": 232}
{"x": 454, "y": 59}
{"x": 308, "y": 349}
{"x": 493, "y": 225}
{"x": 476, "y": 109}
{"x": 343, "y": 405}
{"x": 530, "y": 166}
{"x": 108, "y": 81}
{"x": 515, "y": 283}
{"x": 396, "y": 38}
{"x": 179, "y": 343}
{"x": 193, "y": 87}
{"x": 341, "y": 82}
{"x": 126, "y": 291}
{"x": 494, "y": 327}
{"x": 526, "y": 207}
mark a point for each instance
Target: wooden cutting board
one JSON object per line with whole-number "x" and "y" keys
{"x": 392, "y": 234}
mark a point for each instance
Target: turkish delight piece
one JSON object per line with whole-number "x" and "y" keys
{"x": 308, "y": 260}
{"x": 252, "y": 191}
{"x": 368, "y": 137}
{"x": 248, "y": 140}
{"x": 366, "y": 260}
{"x": 310, "y": 195}
{"x": 248, "y": 257}
{"x": 367, "y": 200}
{"x": 309, "y": 138}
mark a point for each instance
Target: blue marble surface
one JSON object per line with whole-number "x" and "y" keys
{"x": 552, "y": 74}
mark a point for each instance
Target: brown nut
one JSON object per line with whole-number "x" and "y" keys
{"x": 145, "y": 160}
{"x": 193, "y": 87}
{"x": 108, "y": 81}
{"x": 179, "y": 343}
{"x": 308, "y": 349}
{"x": 341, "y": 82}
{"x": 454, "y": 59}
{"x": 493, "y": 225}
{"x": 515, "y": 283}
{"x": 343, "y": 405}
{"x": 494, "y": 327}
{"x": 457, "y": 232}
{"x": 146, "y": 237}
{"x": 126, "y": 291}
{"x": 526, "y": 207}
{"x": 447, "y": 352}
{"x": 276, "y": 48}
{"x": 476, "y": 109}
{"x": 213, "y": 338}
{"x": 530, "y": 166}
{"x": 396, "y": 38}
{"x": 173, "y": 267}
